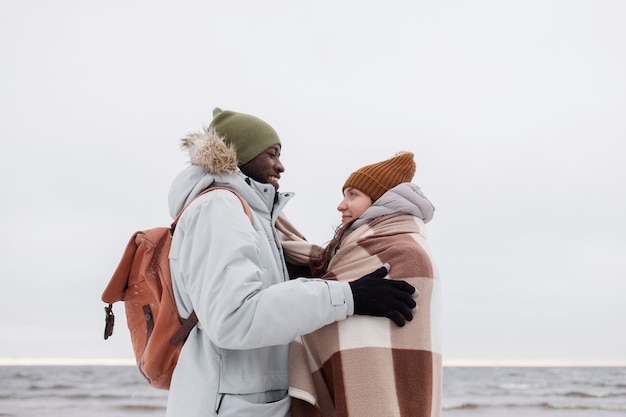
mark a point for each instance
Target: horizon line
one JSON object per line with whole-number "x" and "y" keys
{"x": 17, "y": 361}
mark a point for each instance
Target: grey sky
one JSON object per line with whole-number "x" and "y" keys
{"x": 516, "y": 112}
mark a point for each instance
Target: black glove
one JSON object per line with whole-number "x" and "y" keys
{"x": 375, "y": 296}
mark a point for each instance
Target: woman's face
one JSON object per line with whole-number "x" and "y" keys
{"x": 354, "y": 204}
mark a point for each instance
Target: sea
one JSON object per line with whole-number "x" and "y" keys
{"x": 120, "y": 391}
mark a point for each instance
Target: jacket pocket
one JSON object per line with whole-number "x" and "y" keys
{"x": 236, "y": 406}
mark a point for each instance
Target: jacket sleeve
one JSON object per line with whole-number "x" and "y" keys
{"x": 223, "y": 273}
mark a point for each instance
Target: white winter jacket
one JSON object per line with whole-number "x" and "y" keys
{"x": 232, "y": 273}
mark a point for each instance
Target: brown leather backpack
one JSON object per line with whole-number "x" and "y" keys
{"x": 143, "y": 282}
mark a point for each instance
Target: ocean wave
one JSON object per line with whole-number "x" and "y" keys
{"x": 538, "y": 405}
{"x": 586, "y": 407}
{"x": 462, "y": 406}
{"x": 51, "y": 387}
{"x": 527, "y": 391}
{"x": 87, "y": 396}
{"x": 513, "y": 386}
{"x": 140, "y": 407}
{"x": 581, "y": 394}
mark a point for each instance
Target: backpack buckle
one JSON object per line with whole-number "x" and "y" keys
{"x": 109, "y": 321}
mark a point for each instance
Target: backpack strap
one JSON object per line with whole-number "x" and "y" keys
{"x": 244, "y": 203}
{"x": 187, "y": 324}
{"x": 181, "y": 334}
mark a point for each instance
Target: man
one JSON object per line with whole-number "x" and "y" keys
{"x": 232, "y": 273}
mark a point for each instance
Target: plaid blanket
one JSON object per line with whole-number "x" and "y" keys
{"x": 367, "y": 366}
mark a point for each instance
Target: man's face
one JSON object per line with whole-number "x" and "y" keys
{"x": 265, "y": 167}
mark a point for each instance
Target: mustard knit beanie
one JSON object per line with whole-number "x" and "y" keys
{"x": 376, "y": 179}
{"x": 248, "y": 134}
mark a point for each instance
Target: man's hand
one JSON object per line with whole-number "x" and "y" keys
{"x": 376, "y": 296}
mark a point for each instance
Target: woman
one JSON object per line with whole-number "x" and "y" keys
{"x": 365, "y": 366}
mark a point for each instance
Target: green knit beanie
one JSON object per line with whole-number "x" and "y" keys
{"x": 248, "y": 134}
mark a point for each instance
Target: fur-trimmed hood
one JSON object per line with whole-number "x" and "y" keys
{"x": 211, "y": 160}
{"x": 209, "y": 151}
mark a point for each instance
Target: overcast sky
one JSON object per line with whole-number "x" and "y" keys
{"x": 515, "y": 110}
